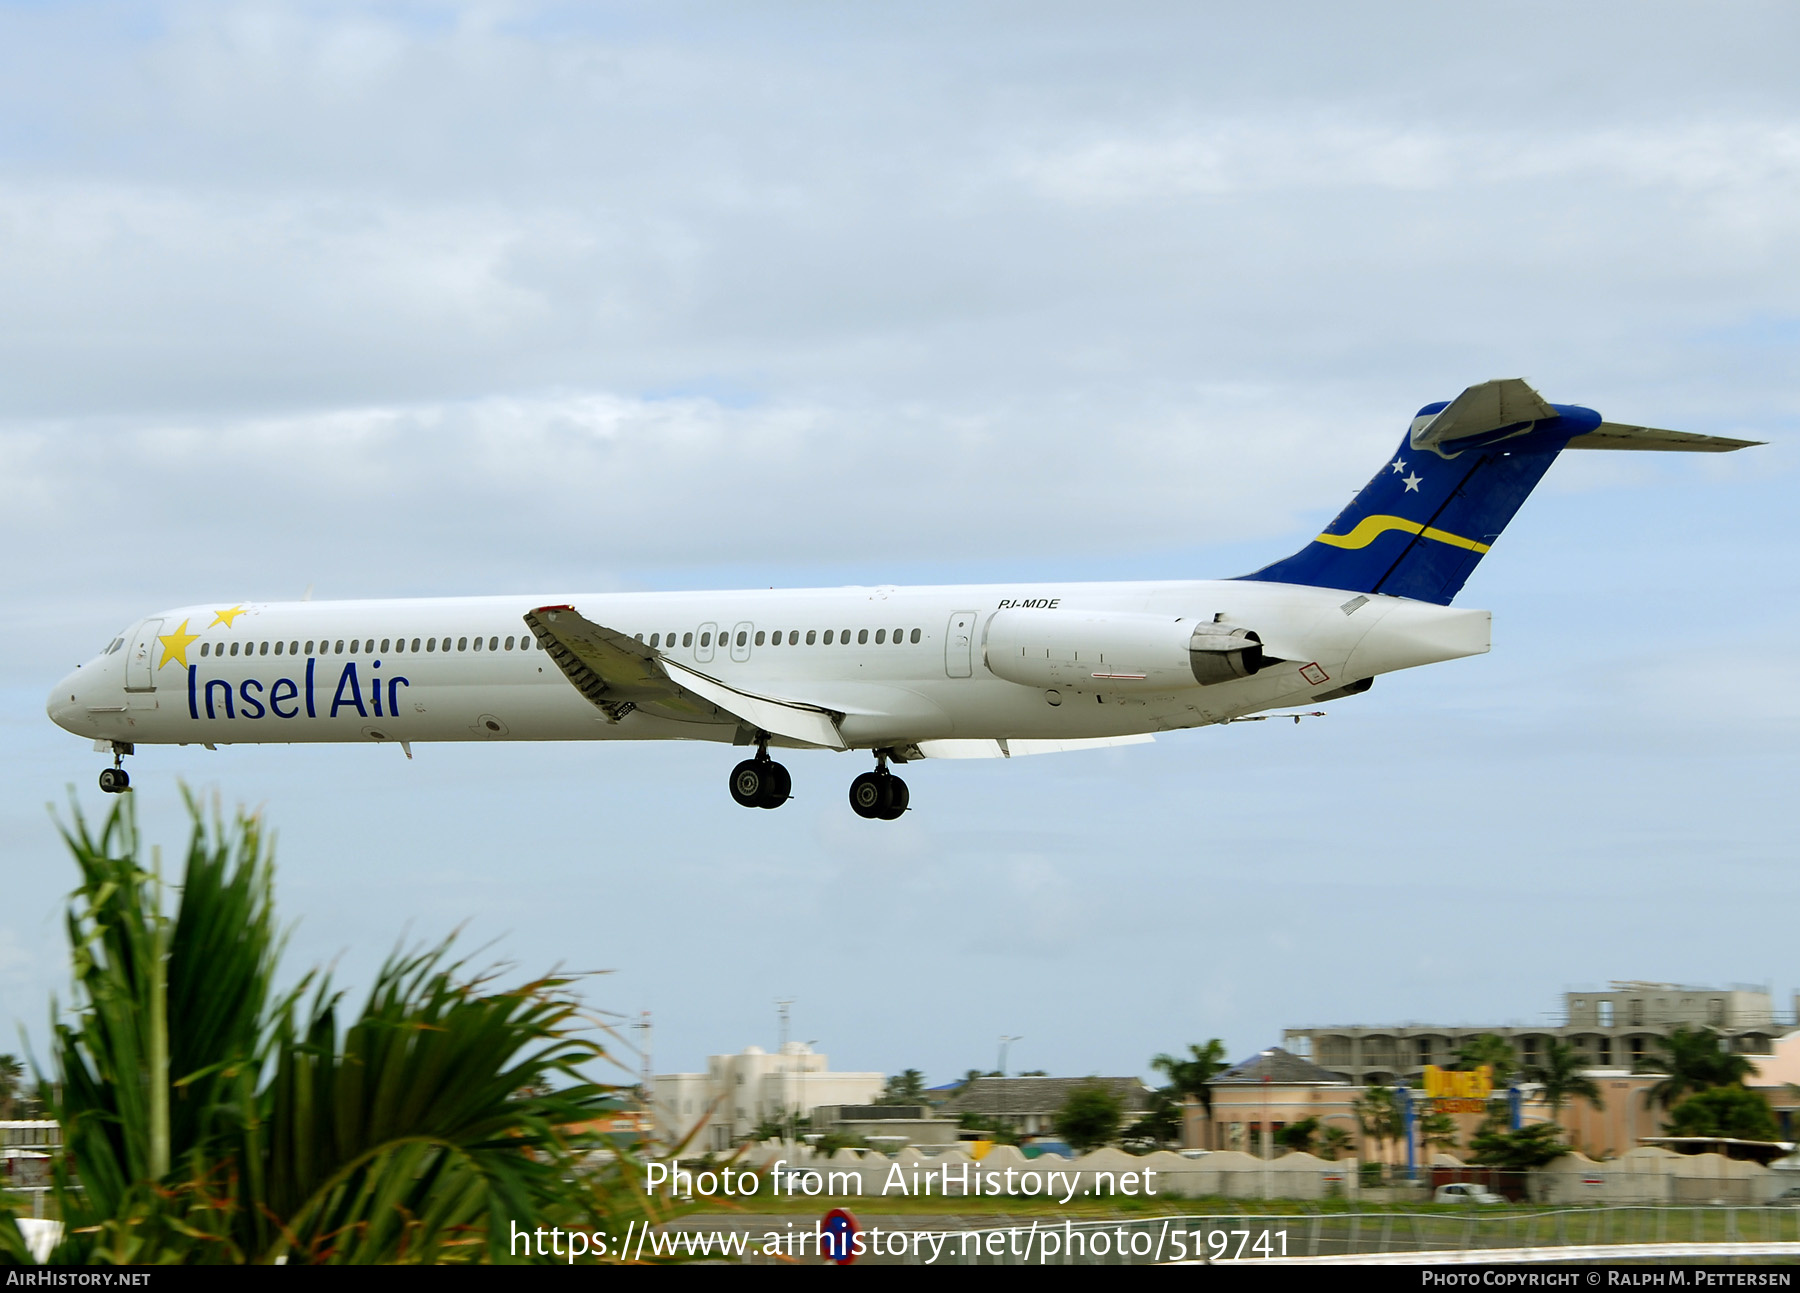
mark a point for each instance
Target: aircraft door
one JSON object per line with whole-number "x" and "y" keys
{"x": 959, "y": 645}
{"x": 703, "y": 645}
{"x": 740, "y": 641}
{"x": 140, "y": 665}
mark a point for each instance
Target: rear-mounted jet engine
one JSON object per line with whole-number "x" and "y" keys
{"x": 1118, "y": 651}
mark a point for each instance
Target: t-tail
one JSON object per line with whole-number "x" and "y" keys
{"x": 1431, "y": 513}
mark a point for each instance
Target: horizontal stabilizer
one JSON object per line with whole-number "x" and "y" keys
{"x": 1616, "y": 435}
{"x": 1007, "y": 749}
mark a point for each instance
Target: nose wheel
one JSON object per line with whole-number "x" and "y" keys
{"x": 115, "y": 780}
{"x": 879, "y": 795}
{"x": 761, "y": 783}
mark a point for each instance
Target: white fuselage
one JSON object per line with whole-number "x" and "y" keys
{"x": 903, "y": 665}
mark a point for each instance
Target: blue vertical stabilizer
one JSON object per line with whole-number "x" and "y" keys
{"x": 1435, "y": 508}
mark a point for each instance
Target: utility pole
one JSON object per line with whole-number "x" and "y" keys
{"x": 647, "y": 1074}
{"x": 1005, "y": 1085}
{"x": 782, "y": 1005}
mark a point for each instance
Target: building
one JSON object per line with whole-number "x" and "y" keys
{"x": 712, "y": 1111}
{"x": 1778, "y": 1078}
{"x": 1029, "y": 1105}
{"x": 887, "y": 1127}
{"x": 1615, "y": 1028}
{"x": 1265, "y": 1094}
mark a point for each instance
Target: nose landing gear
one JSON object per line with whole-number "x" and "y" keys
{"x": 879, "y": 794}
{"x": 761, "y": 782}
{"x": 115, "y": 780}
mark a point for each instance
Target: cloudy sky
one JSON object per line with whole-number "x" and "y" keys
{"x": 437, "y": 299}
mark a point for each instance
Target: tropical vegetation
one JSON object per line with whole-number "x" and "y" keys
{"x": 1531, "y": 1146}
{"x": 12, "y": 1080}
{"x": 1192, "y": 1075}
{"x": 1381, "y": 1115}
{"x": 907, "y": 1087}
{"x": 1562, "y": 1078}
{"x": 1297, "y": 1137}
{"x": 1693, "y": 1059}
{"x": 1438, "y": 1131}
{"x": 1160, "y": 1125}
{"x": 1733, "y": 1111}
{"x": 1089, "y": 1118}
{"x": 215, "y": 1119}
{"x": 1334, "y": 1143}
{"x": 1492, "y": 1050}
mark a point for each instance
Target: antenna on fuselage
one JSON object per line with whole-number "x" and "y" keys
{"x": 307, "y": 595}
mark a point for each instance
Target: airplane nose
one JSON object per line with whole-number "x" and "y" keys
{"x": 64, "y": 707}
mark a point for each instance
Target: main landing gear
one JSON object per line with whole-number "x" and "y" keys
{"x": 761, "y": 782}
{"x": 115, "y": 780}
{"x": 879, "y": 794}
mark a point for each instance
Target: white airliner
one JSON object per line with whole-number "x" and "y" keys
{"x": 904, "y": 673}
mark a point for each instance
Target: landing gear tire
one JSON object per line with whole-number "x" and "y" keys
{"x": 114, "y": 780}
{"x": 748, "y": 782}
{"x": 760, "y": 783}
{"x": 878, "y": 794}
{"x": 780, "y": 786}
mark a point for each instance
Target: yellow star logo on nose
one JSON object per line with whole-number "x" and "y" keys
{"x": 225, "y": 617}
{"x": 175, "y": 645}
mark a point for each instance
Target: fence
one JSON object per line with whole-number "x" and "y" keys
{"x": 1563, "y": 1235}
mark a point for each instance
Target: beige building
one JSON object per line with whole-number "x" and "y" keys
{"x": 1274, "y": 1089}
{"x": 1615, "y": 1028}
{"x": 1778, "y": 1078}
{"x": 1269, "y": 1092}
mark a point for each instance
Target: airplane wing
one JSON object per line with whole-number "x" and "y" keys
{"x": 954, "y": 748}
{"x": 618, "y": 674}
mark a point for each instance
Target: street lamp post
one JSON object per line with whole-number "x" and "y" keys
{"x": 1005, "y": 1086}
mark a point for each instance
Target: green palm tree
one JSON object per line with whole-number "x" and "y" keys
{"x": 1561, "y": 1077}
{"x": 12, "y": 1077}
{"x": 214, "y": 1121}
{"x": 1694, "y": 1059}
{"x": 1193, "y": 1075}
{"x": 907, "y": 1087}
{"x": 1438, "y": 1131}
{"x": 1380, "y": 1114}
{"x": 1334, "y": 1143}
{"x": 1494, "y": 1051}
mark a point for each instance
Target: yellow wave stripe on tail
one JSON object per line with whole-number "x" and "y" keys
{"x": 1371, "y": 528}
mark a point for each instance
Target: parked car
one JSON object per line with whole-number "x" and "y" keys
{"x": 1464, "y": 1192}
{"x": 1788, "y": 1198}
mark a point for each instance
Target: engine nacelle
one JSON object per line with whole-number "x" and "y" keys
{"x": 1117, "y": 651}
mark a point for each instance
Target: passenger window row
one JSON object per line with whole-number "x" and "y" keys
{"x": 666, "y": 641}
{"x": 523, "y": 642}
{"x": 358, "y": 645}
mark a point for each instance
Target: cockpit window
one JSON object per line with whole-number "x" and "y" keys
{"x": 114, "y": 646}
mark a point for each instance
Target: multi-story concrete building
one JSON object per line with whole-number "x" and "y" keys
{"x": 712, "y": 1111}
{"x": 1614, "y": 1028}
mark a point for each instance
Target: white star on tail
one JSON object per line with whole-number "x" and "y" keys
{"x": 1411, "y": 482}
{"x": 1399, "y": 466}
